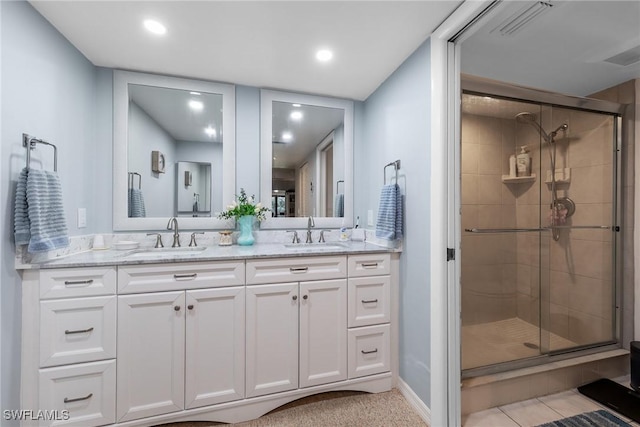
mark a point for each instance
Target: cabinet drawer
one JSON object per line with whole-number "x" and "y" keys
{"x": 369, "y": 264}
{"x": 77, "y": 282}
{"x": 369, "y": 351}
{"x": 296, "y": 269}
{"x": 369, "y": 300}
{"x": 86, "y": 391}
{"x": 179, "y": 276}
{"x": 77, "y": 330}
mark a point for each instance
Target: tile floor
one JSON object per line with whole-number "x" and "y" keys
{"x": 538, "y": 411}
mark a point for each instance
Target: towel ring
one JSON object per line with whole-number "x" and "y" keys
{"x": 396, "y": 166}
{"x": 29, "y": 142}
{"x": 132, "y": 180}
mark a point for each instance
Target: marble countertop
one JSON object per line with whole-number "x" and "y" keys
{"x": 148, "y": 255}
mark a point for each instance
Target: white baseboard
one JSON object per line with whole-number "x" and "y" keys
{"x": 420, "y": 407}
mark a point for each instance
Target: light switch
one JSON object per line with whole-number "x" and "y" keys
{"x": 369, "y": 218}
{"x": 82, "y": 217}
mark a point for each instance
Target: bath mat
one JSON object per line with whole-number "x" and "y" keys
{"x": 599, "y": 418}
{"x": 614, "y": 396}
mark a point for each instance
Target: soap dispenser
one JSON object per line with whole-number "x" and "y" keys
{"x": 523, "y": 162}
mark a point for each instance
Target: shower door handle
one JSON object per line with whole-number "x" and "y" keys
{"x": 528, "y": 230}
{"x": 503, "y": 230}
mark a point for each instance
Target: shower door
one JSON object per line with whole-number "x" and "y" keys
{"x": 537, "y": 247}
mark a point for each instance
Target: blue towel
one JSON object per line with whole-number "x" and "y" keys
{"x": 39, "y": 214}
{"x": 390, "y": 213}
{"x": 338, "y": 206}
{"x": 136, "y": 204}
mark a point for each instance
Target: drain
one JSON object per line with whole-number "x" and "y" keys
{"x": 531, "y": 345}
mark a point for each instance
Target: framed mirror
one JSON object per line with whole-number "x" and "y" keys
{"x": 306, "y": 152}
{"x": 165, "y": 127}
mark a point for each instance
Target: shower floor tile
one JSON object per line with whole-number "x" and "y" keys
{"x": 502, "y": 341}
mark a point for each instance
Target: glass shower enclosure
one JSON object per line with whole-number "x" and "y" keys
{"x": 539, "y": 203}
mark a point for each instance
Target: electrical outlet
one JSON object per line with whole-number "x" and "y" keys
{"x": 82, "y": 217}
{"x": 369, "y": 218}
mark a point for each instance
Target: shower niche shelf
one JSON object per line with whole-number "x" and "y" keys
{"x": 507, "y": 179}
{"x": 563, "y": 176}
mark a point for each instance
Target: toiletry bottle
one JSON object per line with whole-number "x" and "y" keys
{"x": 523, "y": 162}
{"x": 512, "y": 166}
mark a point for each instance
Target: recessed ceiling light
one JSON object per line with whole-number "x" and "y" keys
{"x": 196, "y": 105}
{"x": 286, "y": 136}
{"x": 155, "y": 27}
{"x": 296, "y": 105}
{"x": 211, "y": 132}
{"x": 324, "y": 55}
{"x": 195, "y": 93}
{"x": 296, "y": 115}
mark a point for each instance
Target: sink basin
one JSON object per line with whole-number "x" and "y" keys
{"x": 164, "y": 252}
{"x": 314, "y": 246}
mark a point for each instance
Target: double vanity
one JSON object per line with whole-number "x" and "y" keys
{"x": 148, "y": 336}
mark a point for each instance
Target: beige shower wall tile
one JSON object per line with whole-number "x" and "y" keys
{"x": 489, "y": 189}
{"x": 509, "y": 278}
{"x": 524, "y": 279}
{"x": 469, "y": 161}
{"x": 587, "y": 184}
{"x": 490, "y": 159}
{"x": 590, "y": 214}
{"x": 469, "y": 217}
{"x": 490, "y": 216}
{"x": 559, "y": 321}
{"x": 591, "y": 296}
{"x": 560, "y": 284}
{"x": 489, "y": 132}
{"x": 591, "y": 147}
{"x": 469, "y": 129}
{"x": 580, "y": 257}
{"x": 528, "y": 216}
{"x": 469, "y": 189}
{"x": 587, "y": 329}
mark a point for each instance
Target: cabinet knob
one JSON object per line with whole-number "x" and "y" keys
{"x": 190, "y": 306}
{"x": 295, "y": 297}
{"x": 176, "y": 308}
{"x": 305, "y": 297}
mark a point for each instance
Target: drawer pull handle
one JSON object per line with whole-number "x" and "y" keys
{"x": 305, "y": 297}
{"x": 185, "y": 276}
{"x": 370, "y": 265}
{"x": 78, "y": 282}
{"x": 369, "y": 352}
{"x": 295, "y": 297}
{"x": 79, "y": 331}
{"x": 190, "y": 306}
{"x": 298, "y": 269}
{"x": 369, "y": 301}
{"x": 176, "y": 308}
{"x": 77, "y": 399}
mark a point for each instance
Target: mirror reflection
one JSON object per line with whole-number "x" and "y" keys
{"x": 171, "y": 132}
{"x": 193, "y": 189}
{"x": 308, "y": 163}
{"x": 306, "y": 159}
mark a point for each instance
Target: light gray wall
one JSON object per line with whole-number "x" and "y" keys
{"x": 50, "y": 91}
{"x": 145, "y": 135}
{"x": 248, "y": 142}
{"x": 395, "y": 125}
{"x": 207, "y": 152}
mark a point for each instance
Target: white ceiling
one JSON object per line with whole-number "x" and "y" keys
{"x": 562, "y": 50}
{"x": 270, "y": 44}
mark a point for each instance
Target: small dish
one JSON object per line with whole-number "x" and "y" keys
{"x": 124, "y": 245}
{"x": 100, "y": 248}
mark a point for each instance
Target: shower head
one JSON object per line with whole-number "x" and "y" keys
{"x": 531, "y": 119}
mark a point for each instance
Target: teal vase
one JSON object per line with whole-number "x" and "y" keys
{"x": 246, "y": 230}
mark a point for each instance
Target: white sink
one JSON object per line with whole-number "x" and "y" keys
{"x": 309, "y": 247}
{"x": 164, "y": 252}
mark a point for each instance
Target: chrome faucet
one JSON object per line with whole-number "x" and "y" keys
{"x": 310, "y": 223}
{"x": 173, "y": 225}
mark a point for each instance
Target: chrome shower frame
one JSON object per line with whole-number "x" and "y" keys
{"x": 487, "y": 87}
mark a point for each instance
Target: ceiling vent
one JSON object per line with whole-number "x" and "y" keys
{"x": 625, "y": 58}
{"x": 516, "y": 22}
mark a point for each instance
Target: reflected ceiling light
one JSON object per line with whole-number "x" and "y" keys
{"x": 296, "y": 105}
{"x": 324, "y": 55}
{"x": 195, "y": 93}
{"x": 286, "y": 136}
{"x": 154, "y": 27}
{"x": 196, "y": 105}
{"x": 211, "y": 132}
{"x": 296, "y": 115}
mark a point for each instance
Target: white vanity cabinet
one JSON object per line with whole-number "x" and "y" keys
{"x": 179, "y": 349}
{"x": 296, "y": 328}
{"x": 222, "y": 340}
{"x": 69, "y": 345}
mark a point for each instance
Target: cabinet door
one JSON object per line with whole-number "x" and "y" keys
{"x": 150, "y": 354}
{"x": 272, "y": 338}
{"x": 214, "y": 346}
{"x": 323, "y": 332}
